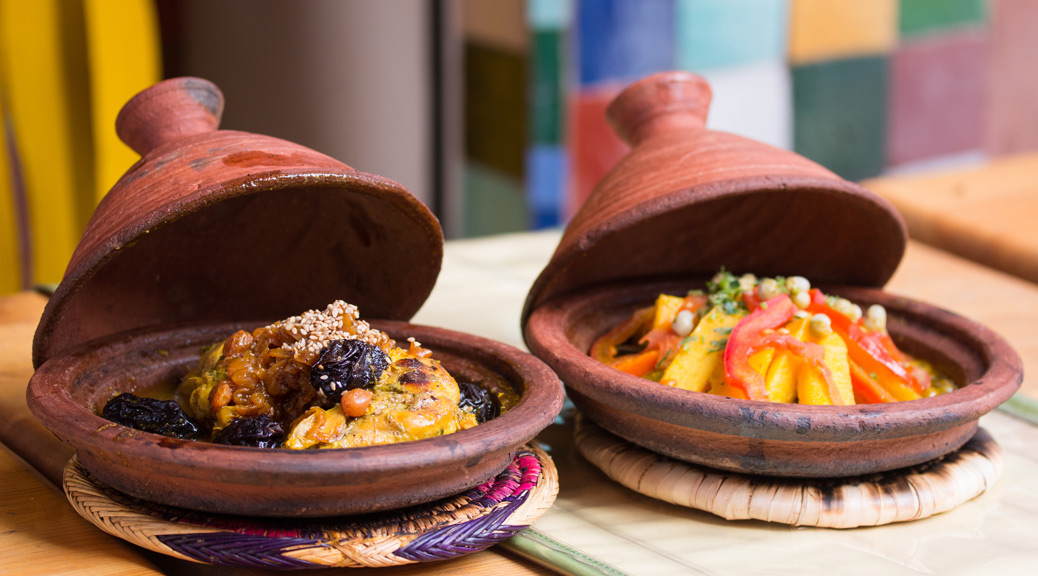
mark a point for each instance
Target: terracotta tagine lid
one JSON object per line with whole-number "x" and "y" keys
{"x": 217, "y": 225}
{"x": 687, "y": 200}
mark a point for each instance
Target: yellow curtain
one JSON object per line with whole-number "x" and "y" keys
{"x": 66, "y": 67}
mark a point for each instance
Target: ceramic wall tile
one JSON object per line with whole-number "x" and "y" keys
{"x": 920, "y": 17}
{"x": 823, "y": 29}
{"x": 547, "y": 176}
{"x": 493, "y": 202}
{"x": 549, "y": 14}
{"x": 712, "y": 34}
{"x": 500, "y": 23}
{"x": 547, "y": 86}
{"x": 594, "y": 147}
{"x": 623, "y": 40}
{"x": 495, "y": 108}
{"x": 1012, "y": 100}
{"x": 840, "y": 114}
{"x": 754, "y": 100}
{"x": 936, "y": 103}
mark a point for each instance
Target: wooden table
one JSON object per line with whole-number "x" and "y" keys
{"x": 481, "y": 290}
{"x": 987, "y": 214}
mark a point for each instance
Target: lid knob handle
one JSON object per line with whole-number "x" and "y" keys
{"x": 661, "y": 102}
{"x": 168, "y": 111}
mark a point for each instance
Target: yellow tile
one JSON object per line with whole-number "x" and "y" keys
{"x": 829, "y": 29}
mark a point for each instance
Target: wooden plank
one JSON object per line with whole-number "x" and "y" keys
{"x": 985, "y": 214}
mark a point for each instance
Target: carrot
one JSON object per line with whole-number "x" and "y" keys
{"x": 638, "y": 364}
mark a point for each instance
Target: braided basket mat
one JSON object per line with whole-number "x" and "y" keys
{"x": 439, "y": 530}
{"x": 896, "y": 496}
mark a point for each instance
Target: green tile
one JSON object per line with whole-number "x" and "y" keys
{"x": 840, "y": 114}
{"x": 495, "y": 108}
{"x": 927, "y": 16}
{"x": 493, "y": 202}
{"x": 546, "y": 94}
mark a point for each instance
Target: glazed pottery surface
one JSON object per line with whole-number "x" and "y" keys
{"x": 687, "y": 201}
{"x": 214, "y": 228}
{"x": 68, "y": 392}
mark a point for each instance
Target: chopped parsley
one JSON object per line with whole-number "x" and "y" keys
{"x": 726, "y": 293}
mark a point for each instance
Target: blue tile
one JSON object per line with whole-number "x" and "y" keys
{"x": 547, "y": 174}
{"x": 623, "y": 40}
{"x": 718, "y": 33}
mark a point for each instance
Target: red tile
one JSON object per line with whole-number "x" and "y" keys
{"x": 937, "y": 94}
{"x": 595, "y": 147}
{"x": 1012, "y": 103}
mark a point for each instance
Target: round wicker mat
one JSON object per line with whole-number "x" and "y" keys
{"x": 896, "y": 496}
{"x": 439, "y": 530}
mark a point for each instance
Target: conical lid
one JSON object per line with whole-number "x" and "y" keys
{"x": 215, "y": 225}
{"x": 687, "y": 200}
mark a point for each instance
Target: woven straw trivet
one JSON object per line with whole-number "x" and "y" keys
{"x": 896, "y": 496}
{"x": 440, "y": 530}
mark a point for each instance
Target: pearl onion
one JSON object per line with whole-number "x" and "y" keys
{"x": 682, "y": 324}
{"x": 820, "y": 324}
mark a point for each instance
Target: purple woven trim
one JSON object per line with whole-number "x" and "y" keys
{"x": 263, "y": 544}
{"x": 511, "y": 486}
{"x": 230, "y": 549}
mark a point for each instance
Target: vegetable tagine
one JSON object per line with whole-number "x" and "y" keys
{"x": 773, "y": 339}
{"x": 324, "y": 379}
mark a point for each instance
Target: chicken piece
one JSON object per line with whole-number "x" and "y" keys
{"x": 415, "y": 398}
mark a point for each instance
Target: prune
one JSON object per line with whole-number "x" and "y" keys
{"x": 345, "y": 365}
{"x": 261, "y": 432}
{"x": 151, "y": 415}
{"x": 480, "y": 401}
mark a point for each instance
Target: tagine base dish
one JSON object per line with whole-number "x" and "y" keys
{"x": 440, "y": 530}
{"x": 901, "y": 495}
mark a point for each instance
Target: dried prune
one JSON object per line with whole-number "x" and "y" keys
{"x": 344, "y": 365}
{"x": 150, "y": 415}
{"x": 480, "y": 401}
{"x": 261, "y": 432}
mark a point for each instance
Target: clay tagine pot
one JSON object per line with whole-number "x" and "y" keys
{"x": 215, "y": 230}
{"x": 685, "y": 202}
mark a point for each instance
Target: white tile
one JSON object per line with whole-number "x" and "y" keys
{"x": 754, "y": 101}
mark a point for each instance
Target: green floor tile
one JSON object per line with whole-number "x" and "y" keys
{"x": 840, "y": 114}
{"x": 927, "y": 16}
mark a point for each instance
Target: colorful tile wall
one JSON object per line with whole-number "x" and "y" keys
{"x": 547, "y": 160}
{"x": 860, "y": 86}
{"x": 712, "y": 34}
{"x": 920, "y": 17}
{"x": 494, "y": 202}
{"x": 754, "y": 101}
{"x": 1012, "y": 84}
{"x": 839, "y": 114}
{"x": 623, "y": 40}
{"x": 594, "y": 147}
{"x": 936, "y": 97}
{"x": 825, "y": 30}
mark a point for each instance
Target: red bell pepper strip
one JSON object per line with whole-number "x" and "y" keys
{"x": 747, "y": 337}
{"x": 752, "y": 299}
{"x": 865, "y": 348}
{"x": 866, "y": 389}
